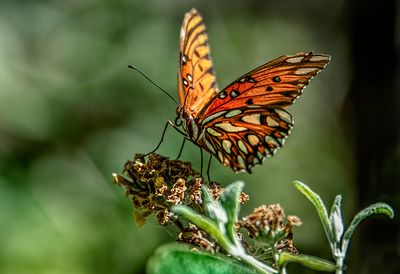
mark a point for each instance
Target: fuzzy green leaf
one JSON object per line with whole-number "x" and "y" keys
{"x": 307, "y": 261}
{"x": 316, "y": 200}
{"x": 183, "y": 259}
{"x": 214, "y": 209}
{"x": 377, "y": 208}
{"x": 230, "y": 202}
{"x": 336, "y": 219}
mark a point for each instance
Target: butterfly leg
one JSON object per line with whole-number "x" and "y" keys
{"x": 208, "y": 169}
{"x": 180, "y": 151}
{"x": 201, "y": 165}
{"x": 169, "y": 123}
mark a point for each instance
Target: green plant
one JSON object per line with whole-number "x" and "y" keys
{"x": 207, "y": 217}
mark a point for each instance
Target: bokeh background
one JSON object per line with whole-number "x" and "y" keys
{"x": 71, "y": 113}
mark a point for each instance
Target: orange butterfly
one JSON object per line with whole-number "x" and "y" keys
{"x": 246, "y": 121}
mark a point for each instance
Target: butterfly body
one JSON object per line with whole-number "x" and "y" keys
{"x": 246, "y": 121}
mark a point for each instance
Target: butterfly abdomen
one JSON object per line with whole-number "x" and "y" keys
{"x": 193, "y": 129}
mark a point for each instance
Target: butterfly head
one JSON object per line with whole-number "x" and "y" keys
{"x": 185, "y": 120}
{"x": 181, "y": 116}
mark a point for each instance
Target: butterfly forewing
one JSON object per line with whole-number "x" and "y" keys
{"x": 275, "y": 84}
{"x": 196, "y": 77}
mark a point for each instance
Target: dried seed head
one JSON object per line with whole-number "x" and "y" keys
{"x": 156, "y": 183}
{"x": 264, "y": 218}
{"x": 294, "y": 221}
{"x": 197, "y": 237}
{"x": 216, "y": 190}
{"x": 194, "y": 190}
{"x": 244, "y": 198}
{"x": 177, "y": 192}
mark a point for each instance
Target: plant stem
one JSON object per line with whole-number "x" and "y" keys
{"x": 257, "y": 265}
{"x": 339, "y": 270}
{"x": 339, "y": 264}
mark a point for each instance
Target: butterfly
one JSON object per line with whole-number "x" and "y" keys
{"x": 246, "y": 121}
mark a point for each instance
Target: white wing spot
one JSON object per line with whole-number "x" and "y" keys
{"x": 304, "y": 71}
{"x": 318, "y": 58}
{"x": 241, "y": 161}
{"x": 242, "y": 147}
{"x": 271, "y": 142}
{"x": 252, "y": 119}
{"x": 233, "y": 113}
{"x": 213, "y": 132}
{"x": 226, "y": 161}
{"x": 271, "y": 122}
{"x": 230, "y": 128}
{"x": 255, "y": 161}
{"x": 210, "y": 147}
{"x": 260, "y": 155}
{"x": 226, "y": 144}
{"x": 184, "y": 58}
{"x": 182, "y": 33}
{"x": 284, "y": 115}
{"x": 212, "y": 117}
{"x": 295, "y": 60}
{"x": 190, "y": 78}
{"x": 220, "y": 157}
{"x": 268, "y": 153}
{"x": 253, "y": 139}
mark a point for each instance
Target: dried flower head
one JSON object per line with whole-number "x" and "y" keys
{"x": 269, "y": 224}
{"x": 155, "y": 185}
{"x": 196, "y": 237}
{"x": 264, "y": 218}
{"x": 194, "y": 190}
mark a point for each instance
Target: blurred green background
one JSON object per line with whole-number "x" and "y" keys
{"x": 71, "y": 113}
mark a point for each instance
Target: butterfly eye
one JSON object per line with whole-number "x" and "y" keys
{"x": 178, "y": 121}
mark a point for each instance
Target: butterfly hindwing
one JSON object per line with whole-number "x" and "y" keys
{"x": 242, "y": 138}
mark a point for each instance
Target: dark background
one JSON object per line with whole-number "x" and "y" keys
{"x": 71, "y": 113}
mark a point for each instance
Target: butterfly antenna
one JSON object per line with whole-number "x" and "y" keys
{"x": 145, "y": 76}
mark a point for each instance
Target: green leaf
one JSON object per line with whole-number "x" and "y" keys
{"x": 307, "y": 261}
{"x": 183, "y": 259}
{"x": 377, "y": 208}
{"x": 336, "y": 219}
{"x": 214, "y": 209}
{"x": 320, "y": 207}
{"x": 230, "y": 202}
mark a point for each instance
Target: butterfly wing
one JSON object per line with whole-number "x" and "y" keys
{"x": 275, "y": 84}
{"x": 196, "y": 77}
{"x": 247, "y": 121}
{"x": 242, "y": 138}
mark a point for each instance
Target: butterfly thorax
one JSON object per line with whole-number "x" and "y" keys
{"x": 186, "y": 119}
